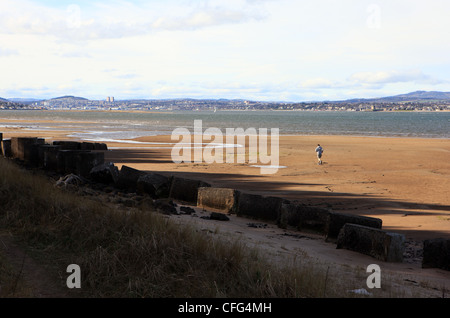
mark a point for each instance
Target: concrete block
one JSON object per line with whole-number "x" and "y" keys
{"x": 186, "y": 190}
{"x": 128, "y": 178}
{"x": 88, "y": 160}
{"x": 40, "y": 150}
{"x": 92, "y": 146}
{"x": 337, "y": 220}
{"x": 106, "y": 173}
{"x": 258, "y": 206}
{"x": 68, "y": 144}
{"x": 100, "y": 146}
{"x": 67, "y": 160}
{"x": 32, "y": 153}
{"x": 48, "y": 157}
{"x": 436, "y": 254}
{"x": 26, "y": 149}
{"x": 18, "y": 145}
{"x": 61, "y": 160}
{"x": 6, "y": 148}
{"x": 15, "y": 147}
{"x": 86, "y": 146}
{"x": 303, "y": 217}
{"x": 154, "y": 184}
{"x": 223, "y": 199}
{"x": 384, "y": 246}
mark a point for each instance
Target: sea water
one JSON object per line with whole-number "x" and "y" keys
{"x": 109, "y": 126}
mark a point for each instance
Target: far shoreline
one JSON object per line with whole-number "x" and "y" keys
{"x": 228, "y": 110}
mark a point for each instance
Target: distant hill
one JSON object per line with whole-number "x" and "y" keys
{"x": 25, "y": 101}
{"x": 410, "y": 97}
{"x": 68, "y": 97}
{"x": 418, "y": 96}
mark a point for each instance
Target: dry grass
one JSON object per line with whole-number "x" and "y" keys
{"x": 11, "y": 280}
{"x": 139, "y": 253}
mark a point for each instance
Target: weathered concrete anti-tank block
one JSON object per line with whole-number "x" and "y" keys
{"x": 41, "y": 155}
{"x": 100, "y": 146}
{"x": 61, "y": 160}
{"x": 68, "y": 144}
{"x": 6, "y": 148}
{"x": 154, "y": 184}
{"x": 382, "y": 245}
{"x": 1, "y": 145}
{"x": 18, "y": 145}
{"x": 26, "y": 149}
{"x": 337, "y": 220}
{"x": 67, "y": 160}
{"x": 78, "y": 145}
{"x": 47, "y": 157}
{"x": 87, "y": 146}
{"x": 93, "y": 146}
{"x": 436, "y": 254}
{"x": 128, "y": 178}
{"x": 71, "y": 161}
{"x": 87, "y": 160}
{"x": 223, "y": 199}
{"x": 258, "y": 206}
{"x": 15, "y": 147}
{"x": 106, "y": 173}
{"x": 186, "y": 189}
{"x": 32, "y": 153}
{"x": 303, "y": 217}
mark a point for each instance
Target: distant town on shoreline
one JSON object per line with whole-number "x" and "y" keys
{"x": 415, "y": 101}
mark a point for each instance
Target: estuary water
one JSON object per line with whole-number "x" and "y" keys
{"x": 111, "y": 125}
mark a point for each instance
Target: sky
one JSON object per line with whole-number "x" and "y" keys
{"x": 265, "y": 50}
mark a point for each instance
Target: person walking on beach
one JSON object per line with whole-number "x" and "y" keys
{"x": 319, "y": 151}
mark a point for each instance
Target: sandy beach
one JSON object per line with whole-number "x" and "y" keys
{"x": 403, "y": 181}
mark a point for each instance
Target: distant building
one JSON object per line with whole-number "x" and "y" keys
{"x": 110, "y": 99}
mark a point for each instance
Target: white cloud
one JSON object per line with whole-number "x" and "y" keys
{"x": 387, "y": 77}
{"x": 7, "y": 52}
{"x": 112, "y": 21}
{"x": 202, "y": 19}
{"x": 75, "y": 54}
{"x": 317, "y": 83}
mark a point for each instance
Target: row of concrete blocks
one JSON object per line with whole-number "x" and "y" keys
{"x": 61, "y": 156}
{"x": 358, "y": 233}
{"x": 361, "y": 234}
